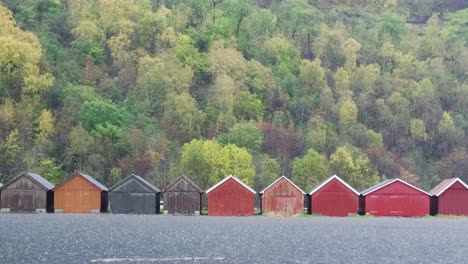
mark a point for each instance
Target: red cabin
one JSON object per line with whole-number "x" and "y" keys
{"x": 334, "y": 197}
{"x": 395, "y": 198}
{"x": 230, "y": 197}
{"x": 283, "y": 197}
{"x": 450, "y": 197}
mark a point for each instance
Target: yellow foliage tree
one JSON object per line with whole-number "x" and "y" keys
{"x": 20, "y": 56}
{"x": 45, "y": 125}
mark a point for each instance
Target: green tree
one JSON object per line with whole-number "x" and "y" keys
{"x": 45, "y": 125}
{"x": 393, "y": 25}
{"x": 90, "y": 41}
{"x": 227, "y": 61}
{"x": 446, "y": 124}
{"x": 248, "y": 106}
{"x": 432, "y": 43}
{"x": 20, "y": 55}
{"x": 351, "y": 48}
{"x": 267, "y": 171}
{"x": 343, "y": 83}
{"x": 188, "y": 54}
{"x": 9, "y": 149}
{"x": 160, "y": 76}
{"x": 244, "y": 135}
{"x": 208, "y": 162}
{"x": 353, "y": 166}
{"x": 98, "y": 112}
{"x": 238, "y": 10}
{"x": 312, "y": 77}
{"x": 328, "y": 46}
{"x": 418, "y": 130}
{"x": 222, "y": 100}
{"x": 80, "y": 148}
{"x": 348, "y": 113}
{"x": 309, "y": 170}
{"x": 50, "y": 171}
{"x": 181, "y": 119}
{"x": 281, "y": 54}
{"x": 305, "y": 20}
{"x": 456, "y": 24}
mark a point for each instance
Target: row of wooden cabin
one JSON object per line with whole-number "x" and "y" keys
{"x": 333, "y": 197}
{"x": 80, "y": 193}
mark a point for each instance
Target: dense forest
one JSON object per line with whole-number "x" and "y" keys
{"x": 365, "y": 89}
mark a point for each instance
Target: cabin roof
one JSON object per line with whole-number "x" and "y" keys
{"x": 388, "y": 182}
{"x": 187, "y": 179}
{"x": 139, "y": 179}
{"x": 282, "y": 177}
{"x": 234, "y": 178}
{"x": 87, "y": 177}
{"x": 445, "y": 184}
{"x": 324, "y": 182}
{"x": 38, "y": 179}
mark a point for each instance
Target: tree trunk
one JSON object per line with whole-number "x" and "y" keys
{"x": 214, "y": 7}
{"x": 238, "y": 26}
{"x": 309, "y": 52}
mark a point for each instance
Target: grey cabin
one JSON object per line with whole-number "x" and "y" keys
{"x": 27, "y": 192}
{"x": 134, "y": 195}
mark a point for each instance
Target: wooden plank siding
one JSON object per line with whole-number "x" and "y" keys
{"x": 183, "y": 197}
{"x": 283, "y": 197}
{"x": 453, "y": 200}
{"x": 77, "y": 195}
{"x": 230, "y": 199}
{"x": 134, "y": 195}
{"x": 334, "y": 198}
{"x": 23, "y": 194}
{"x": 397, "y": 198}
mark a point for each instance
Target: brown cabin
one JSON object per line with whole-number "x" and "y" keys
{"x": 282, "y": 197}
{"x": 183, "y": 197}
{"x": 27, "y": 192}
{"x": 80, "y": 194}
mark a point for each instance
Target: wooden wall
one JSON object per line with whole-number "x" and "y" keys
{"x": 454, "y": 201}
{"x": 132, "y": 197}
{"x": 230, "y": 199}
{"x": 334, "y": 199}
{"x": 23, "y": 195}
{"x": 182, "y": 198}
{"x": 283, "y": 198}
{"x": 77, "y": 195}
{"x": 397, "y": 199}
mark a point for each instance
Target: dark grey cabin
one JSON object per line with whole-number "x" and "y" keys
{"x": 183, "y": 197}
{"x": 134, "y": 195}
{"x": 27, "y": 192}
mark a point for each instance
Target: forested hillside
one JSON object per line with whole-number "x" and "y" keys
{"x": 366, "y": 90}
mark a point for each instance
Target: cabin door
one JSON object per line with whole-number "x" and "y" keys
{"x": 22, "y": 201}
{"x": 286, "y": 204}
{"x": 183, "y": 203}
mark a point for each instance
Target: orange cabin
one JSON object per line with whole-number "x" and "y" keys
{"x": 80, "y": 194}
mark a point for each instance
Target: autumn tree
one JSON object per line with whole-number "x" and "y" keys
{"x": 20, "y": 58}
{"x": 115, "y": 87}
